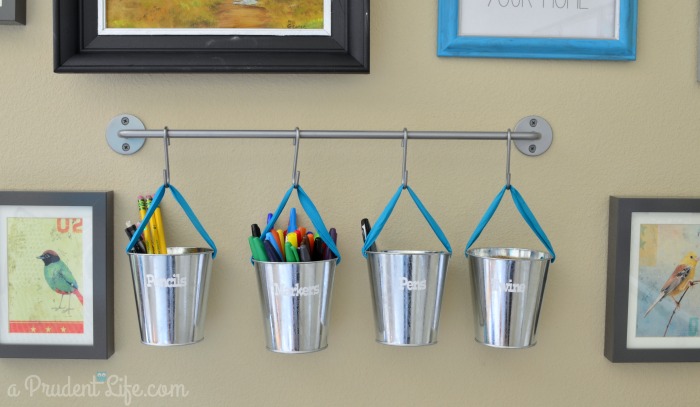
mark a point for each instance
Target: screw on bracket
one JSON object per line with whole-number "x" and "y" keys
{"x": 125, "y": 121}
{"x": 126, "y": 146}
{"x": 533, "y": 122}
{"x": 532, "y": 148}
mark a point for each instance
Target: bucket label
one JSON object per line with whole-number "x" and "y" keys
{"x": 413, "y": 285}
{"x": 296, "y": 290}
{"x": 175, "y": 281}
{"x": 512, "y": 287}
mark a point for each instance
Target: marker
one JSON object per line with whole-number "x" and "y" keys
{"x": 292, "y": 221}
{"x": 310, "y": 237}
{"x": 146, "y": 232}
{"x": 269, "y": 218}
{"x": 291, "y": 253}
{"x": 257, "y": 248}
{"x": 139, "y": 247}
{"x": 270, "y": 237}
{"x": 318, "y": 249}
{"x": 271, "y": 252}
{"x": 280, "y": 235}
{"x": 304, "y": 254}
{"x": 292, "y": 238}
{"x": 364, "y": 224}
{"x": 255, "y": 230}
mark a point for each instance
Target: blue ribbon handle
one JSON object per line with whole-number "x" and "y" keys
{"x": 185, "y": 207}
{"x": 384, "y": 217}
{"x": 311, "y": 211}
{"x": 525, "y": 212}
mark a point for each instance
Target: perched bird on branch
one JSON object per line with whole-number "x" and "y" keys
{"x": 59, "y": 277}
{"x": 679, "y": 281}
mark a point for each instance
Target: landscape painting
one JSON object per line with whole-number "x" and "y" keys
{"x": 204, "y": 17}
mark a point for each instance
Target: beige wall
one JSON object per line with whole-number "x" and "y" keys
{"x": 620, "y": 129}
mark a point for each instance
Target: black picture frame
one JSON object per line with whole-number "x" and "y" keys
{"x": 628, "y": 246}
{"x": 99, "y": 209}
{"x": 79, "y": 49}
{"x": 13, "y": 12}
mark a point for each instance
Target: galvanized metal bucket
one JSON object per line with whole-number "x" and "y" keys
{"x": 507, "y": 289}
{"x": 407, "y": 289}
{"x": 171, "y": 293}
{"x": 296, "y": 301}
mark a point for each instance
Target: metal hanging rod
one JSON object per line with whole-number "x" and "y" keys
{"x": 532, "y": 135}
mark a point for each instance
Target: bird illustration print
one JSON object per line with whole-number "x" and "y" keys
{"x": 59, "y": 277}
{"x": 679, "y": 281}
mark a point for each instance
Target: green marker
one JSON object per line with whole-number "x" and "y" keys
{"x": 291, "y": 253}
{"x": 257, "y": 248}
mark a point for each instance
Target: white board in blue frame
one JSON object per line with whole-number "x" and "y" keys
{"x": 503, "y": 26}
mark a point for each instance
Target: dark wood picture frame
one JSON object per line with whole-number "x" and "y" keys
{"x": 617, "y": 313}
{"x": 79, "y": 49}
{"x": 101, "y": 207}
{"x": 13, "y": 12}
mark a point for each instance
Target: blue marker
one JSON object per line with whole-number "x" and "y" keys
{"x": 269, "y": 218}
{"x": 292, "y": 221}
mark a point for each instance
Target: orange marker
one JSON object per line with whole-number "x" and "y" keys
{"x": 280, "y": 239}
{"x": 310, "y": 236}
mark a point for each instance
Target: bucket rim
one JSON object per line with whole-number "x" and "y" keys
{"x": 294, "y": 262}
{"x": 194, "y": 251}
{"x": 541, "y": 255}
{"x": 409, "y": 252}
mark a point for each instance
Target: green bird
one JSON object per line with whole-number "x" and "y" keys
{"x": 59, "y": 277}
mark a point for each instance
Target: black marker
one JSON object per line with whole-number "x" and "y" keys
{"x": 255, "y": 230}
{"x": 364, "y": 224}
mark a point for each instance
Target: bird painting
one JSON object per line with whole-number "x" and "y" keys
{"x": 59, "y": 277}
{"x": 679, "y": 281}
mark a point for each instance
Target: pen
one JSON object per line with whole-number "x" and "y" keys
{"x": 255, "y": 230}
{"x": 146, "y": 233}
{"x": 364, "y": 224}
{"x": 257, "y": 248}
{"x": 269, "y": 218}
{"x": 130, "y": 230}
{"x": 271, "y": 252}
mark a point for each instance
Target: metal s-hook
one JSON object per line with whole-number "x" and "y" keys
{"x": 508, "y": 160}
{"x": 166, "y": 171}
{"x": 404, "y": 173}
{"x": 295, "y": 173}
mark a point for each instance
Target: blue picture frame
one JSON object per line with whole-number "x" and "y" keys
{"x": 451, "y": 44}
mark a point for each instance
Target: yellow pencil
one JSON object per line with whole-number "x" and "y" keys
{"x": 146, "y": 233}
{"x": 153, "y": 226}
{"x": 163, "y": 247}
